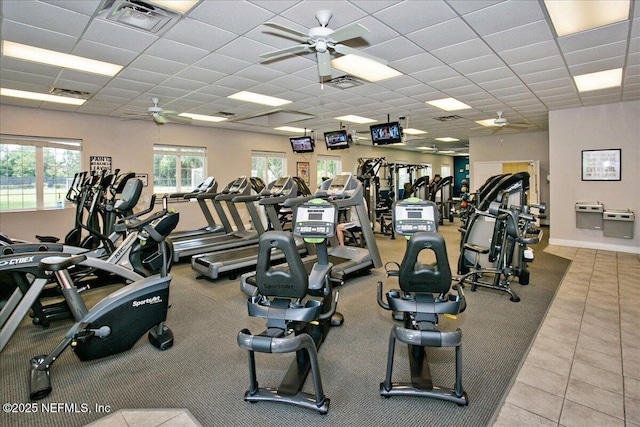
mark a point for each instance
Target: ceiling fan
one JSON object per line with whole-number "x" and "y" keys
{"x": 160, "y": 115}
{"x": 321, "y": 40}
{"x": 502, "y": 123}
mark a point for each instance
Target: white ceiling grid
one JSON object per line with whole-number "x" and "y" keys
{"x": 492, "y": 55}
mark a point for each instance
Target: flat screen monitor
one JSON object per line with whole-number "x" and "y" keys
{"x": 301, "y": 144}
{"x": 337, "y": 139}
{"x": 386, "y": 133}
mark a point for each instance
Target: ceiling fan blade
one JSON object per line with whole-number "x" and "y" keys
{"x": 517, "y": 125}
{"x": 160, "y": 120}
{"x": 346, "y": 50}
{"x": 324, "y": 63}
{"x": 349, "y": 32}
{"x": 178, "y": 119}
{"x": 290, "y": 50}
{"x": 300, "y": 36}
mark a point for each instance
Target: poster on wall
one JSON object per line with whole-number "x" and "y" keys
{"x": 601, "y": 165}
{"x": 144, "y": 177}
{"x": 303, "y": 171}
{"x": 99, "y": 164}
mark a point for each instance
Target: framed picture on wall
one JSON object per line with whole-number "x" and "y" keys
{"x": 601, "y": 165}
{"x": 303, "y": 171}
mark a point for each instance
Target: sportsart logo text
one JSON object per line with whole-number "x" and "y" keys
{"x": 152, "y": 300}
{"x": 16, "y": 261}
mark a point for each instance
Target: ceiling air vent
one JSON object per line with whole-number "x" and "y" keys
{"x": 69, "y": 93}
{"x": 138, "y": 14}
{"x": 344, "y": 82}
{"x": 448, "y": 118}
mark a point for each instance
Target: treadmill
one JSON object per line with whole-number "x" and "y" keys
{"x": 230, "y": 195}
{"x": 345, "y": 191}
{"x": 206, "y": 190}
{"x": 213, "y": 264}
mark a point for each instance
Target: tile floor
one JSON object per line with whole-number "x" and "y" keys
{"x": 583, "y": 368}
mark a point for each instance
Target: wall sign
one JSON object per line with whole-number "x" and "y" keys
{"x": 99, "y": 164}
{"x": 144, "y": 177}
{"x": 601, "y": 165}
{"x": 303, "y": 171}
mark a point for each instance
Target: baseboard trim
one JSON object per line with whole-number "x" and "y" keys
{"x": 594, "y": 245}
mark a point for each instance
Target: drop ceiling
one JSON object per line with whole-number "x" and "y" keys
{"x": 491, "y": 55}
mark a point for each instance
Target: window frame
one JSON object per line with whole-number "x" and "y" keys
{"x": 179, "y": 151}
{"x": 326, "y": 158}
{"x": 269, "y": 155}
{"x": 40, "y": 143}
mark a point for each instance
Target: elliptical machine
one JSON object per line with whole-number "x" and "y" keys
{"x": 117, "y": 321}
{"x": 424, "y": 294}
{"x": 295, "y": 323}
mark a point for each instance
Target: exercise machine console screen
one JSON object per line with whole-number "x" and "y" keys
{"x": 315, "y": 220}
{"x": 413, "y": 216}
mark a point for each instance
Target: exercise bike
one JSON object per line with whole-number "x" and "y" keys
{"x": 424, "y": 295}
{"x": 117, "y": 321}
{"x": 299, "y": 307}
{"x": 20, "y": 272}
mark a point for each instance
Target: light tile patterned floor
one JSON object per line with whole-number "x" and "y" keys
{"x": 584, "y": 365}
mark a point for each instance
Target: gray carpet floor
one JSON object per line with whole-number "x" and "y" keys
{"x": 206, "y": 371}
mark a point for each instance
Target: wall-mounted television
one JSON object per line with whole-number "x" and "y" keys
{"x": 302, "y": 144}
{"x": 386, "y": 133}
{"x": 337, "y": 139}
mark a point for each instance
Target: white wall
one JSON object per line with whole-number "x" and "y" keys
{"x": 600, "y": 127}
{"x": 513, "y": 147}
{"x": 130, "y": 144}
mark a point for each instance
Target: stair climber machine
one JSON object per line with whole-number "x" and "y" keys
{"x": 345, "y": 191}
{"x": 424, "y": 295}
{"x": 116, "y": 322}
{"x": 300, "y": 307}
{"x": 213, "y": 264}
{"x": 241, "y": 186}
{"x": 141, "y": 254}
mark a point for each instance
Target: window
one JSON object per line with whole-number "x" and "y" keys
{"x": 445, "y": 171}
{"x": 328, "y": 167}
{"x": 268, "y": 165}
{"x": 178, "y": 169}
{"x": 36, "y": 172}
{"x": 426, "y": 170}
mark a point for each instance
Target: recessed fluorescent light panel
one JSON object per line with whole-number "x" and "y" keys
{"x": 291, "y": 129}
{"x": 487, "y": 122}
{"x": 574, "y": 16}
{"x": 49, "y": 57}
{"x": 355, "y": 119}
{"x": 364, "y": 68}
{"x": 448, "y": 104}
{"x": 258, "y": 99}
{"x": 40, "y": 97}
{"x": 599, "y": 80}
{"x": 447, "y": 139}
{"x": 412, "y": 131}
{"x": 203, "y": 117}
{"x": 180, "y": 6}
